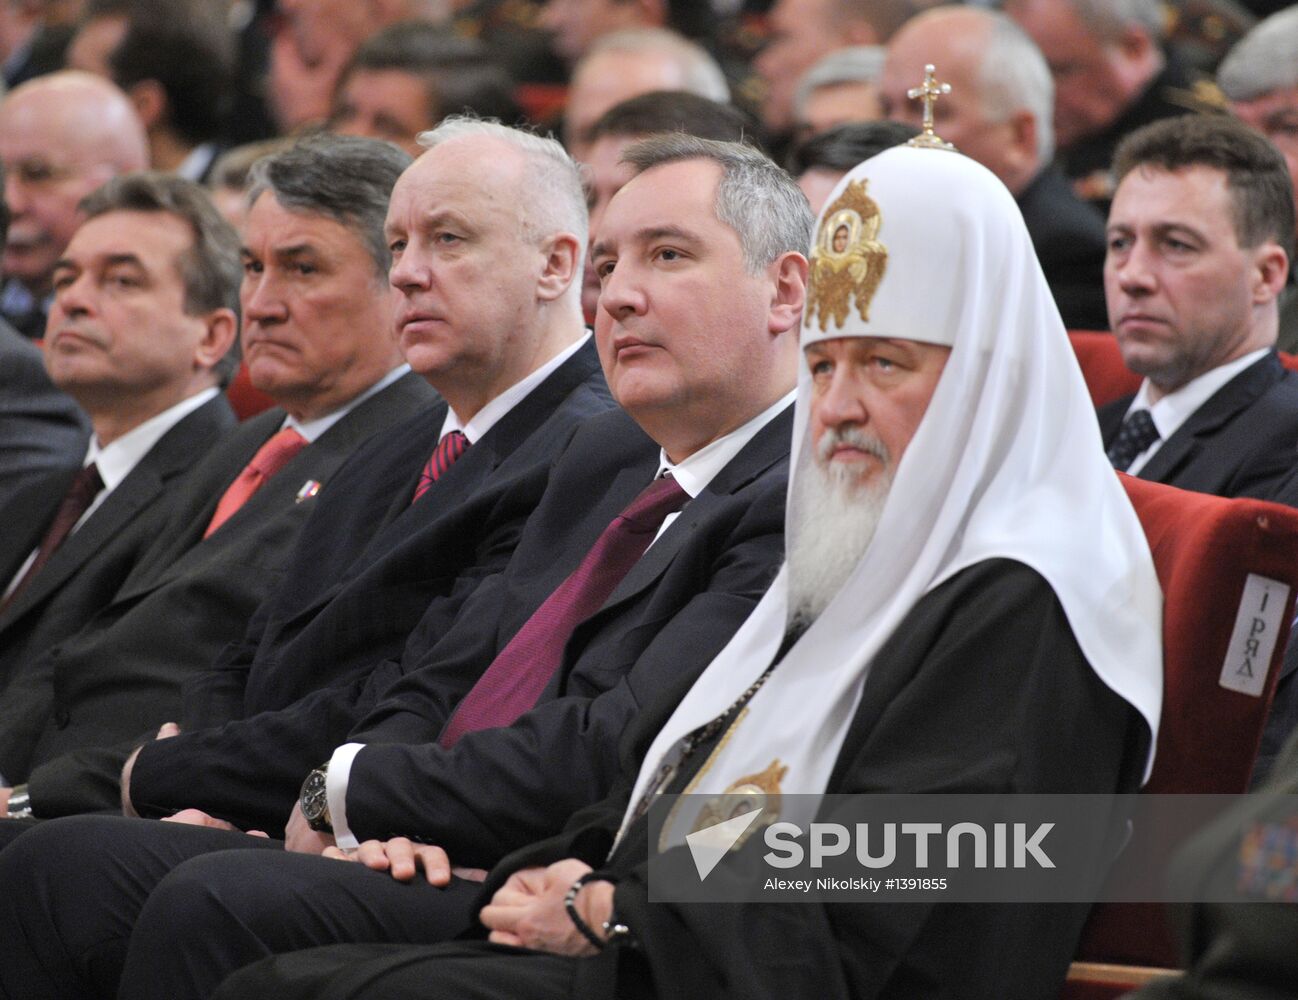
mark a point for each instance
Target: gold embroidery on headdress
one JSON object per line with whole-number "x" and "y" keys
{"x": 847, "y": 260}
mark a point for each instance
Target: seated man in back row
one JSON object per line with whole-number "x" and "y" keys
{"x": 1200, "y": 236}
{"x": 968, "y": 605}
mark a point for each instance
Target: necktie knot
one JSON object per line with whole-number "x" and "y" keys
{"x": 1137, "y": 434}
{"x": 660, "y": 498}
{"x": 270, "y": 458}
{"x": 448, "y": 451}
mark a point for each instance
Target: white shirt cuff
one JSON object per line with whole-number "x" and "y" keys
{"x": 340, "y": 771}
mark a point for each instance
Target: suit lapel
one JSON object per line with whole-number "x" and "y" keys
{"x": 172, "y": 454}
{"x": 29, "y": 515}
{"x": 767, "y": 447}
{"x": 1223, "y": 406}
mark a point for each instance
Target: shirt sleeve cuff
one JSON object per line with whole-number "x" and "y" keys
{"x": 340, "y": 770}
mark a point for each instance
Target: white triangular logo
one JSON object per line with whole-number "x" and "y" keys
{"x": 709, "y": 845}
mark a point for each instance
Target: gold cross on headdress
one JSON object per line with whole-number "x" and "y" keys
{"x": 929, "y": 91}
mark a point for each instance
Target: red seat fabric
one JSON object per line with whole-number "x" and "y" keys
{"x": 1204, "y": 549}
{"x": 1107, "y": 378}
{"x": 246, "y": 401}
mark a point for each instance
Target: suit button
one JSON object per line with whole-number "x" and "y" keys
{"x": 62, "y": 718}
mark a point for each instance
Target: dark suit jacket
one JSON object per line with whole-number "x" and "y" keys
{"x": 186, "y": 599}
{"x": 1242, "y": 442}
{"x": 673, "y": 611}
{"x": 369, "y": 562}
{"x": 966, "y": 697}
{"x": 1068, "y": 235}
{"x": 88, "y": 568}
{"x": 42, "y": 429}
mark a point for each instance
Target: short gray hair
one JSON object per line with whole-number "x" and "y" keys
{"x": 755, "y": 198}
{"x": 1014, "y": 75}
{"x": 1264, "y": 60}
{"x": 855, "y": 64}
{"x": 699, "y": 71}
{"x": 344, "y": 177}
{"x": 1108, "y": 19}
{"x": 559, "y": 202}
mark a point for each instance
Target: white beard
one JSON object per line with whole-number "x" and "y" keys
{"x": 836, "y": 515}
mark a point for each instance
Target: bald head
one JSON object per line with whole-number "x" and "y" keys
{"x": 1000, "y": 105}
{"x": 61, "y": 137}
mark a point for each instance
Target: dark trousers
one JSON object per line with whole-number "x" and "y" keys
{"x": 90, "y": 905}
{"x": 464, "y": 971}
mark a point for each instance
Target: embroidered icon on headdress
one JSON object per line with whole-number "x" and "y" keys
{"x": 848, "y": 261}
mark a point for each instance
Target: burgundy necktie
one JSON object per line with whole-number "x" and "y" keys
{"x": 270, "y": 458}
{"x": 85, "y": 486}
{"x": 518, "y": 675}
{"x": 448, "y": 449}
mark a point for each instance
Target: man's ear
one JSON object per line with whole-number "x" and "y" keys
{"x": 150, "y": 102}
{"x": 218, "y": 338}
{"x": 563, "y": 265}
{"x": 1023, "y": 149}
{"x": 1271, "y": 271}
{"x": 788, "y": 274}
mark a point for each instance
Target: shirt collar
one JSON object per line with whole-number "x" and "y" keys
{"x": 491, "y": 414}
{"x": 1174, "y": 409}
{"x": 695, "y": 472}
{"x": 313, "y": 429}
{"x": 116, "y": 459}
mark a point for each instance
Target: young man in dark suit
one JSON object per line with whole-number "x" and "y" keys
{"x": 1200, "y": 236}
{"x": 142, "y": 333}
{"x": 317, "y": 322}
{"x": 517, "y": 708}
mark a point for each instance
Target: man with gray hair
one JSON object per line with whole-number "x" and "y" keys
{"x": 843, "y": 87}
{"x": 1259, "y": 78}
{"x": 317, "y": 338}
{"x": 803, "y": 32}
{"x": 1112, "y": 75}
{"x": 660, "y": 529}
{"x": 625, "y": 64}
{"x": 426, "y": 510}
{"x": 999, "y": 113}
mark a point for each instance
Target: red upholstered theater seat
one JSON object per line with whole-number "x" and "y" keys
{"x": 1106, "y": 376}
{"x": 246, "y": 401}
{"x": 1205, "y": 550}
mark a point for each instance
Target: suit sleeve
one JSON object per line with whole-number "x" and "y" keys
{"x": 499, "y": 788}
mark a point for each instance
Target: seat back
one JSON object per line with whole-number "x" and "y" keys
{"x": 246, "y": 400}
{"x": 1229, "y": 572}
{"x": 1107, "y": 377}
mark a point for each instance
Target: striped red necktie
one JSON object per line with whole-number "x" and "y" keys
{"x": 448, "y": 449}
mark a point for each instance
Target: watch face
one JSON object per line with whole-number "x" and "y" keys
{"x": 315, "y": 799}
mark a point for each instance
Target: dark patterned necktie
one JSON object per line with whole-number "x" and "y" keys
{"x": 448, "y": 449}
{"x": 520, "y": 672}
{"x": 1138, "y": 433}
{"x": 85, "y": 486}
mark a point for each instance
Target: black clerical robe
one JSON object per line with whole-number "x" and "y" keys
{"x": 982, "y": 689}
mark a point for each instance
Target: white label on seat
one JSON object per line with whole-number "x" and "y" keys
{"x": 1253, "y": 641}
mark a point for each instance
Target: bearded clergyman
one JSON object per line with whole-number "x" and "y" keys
{"x": 968, "y": 605}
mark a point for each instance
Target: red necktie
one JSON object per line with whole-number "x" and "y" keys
{"x": 270, "y": 458}
{"x": 85, "y": 486}
{"x": 520, "y": 672}
{"x": 448, "y": 449}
